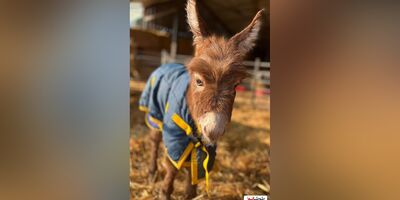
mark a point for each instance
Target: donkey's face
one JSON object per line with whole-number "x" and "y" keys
{"x": 215, "y": 71}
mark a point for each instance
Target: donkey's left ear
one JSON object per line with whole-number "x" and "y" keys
{"x": 245, "y": 40}
{"x": 196, "y": 23}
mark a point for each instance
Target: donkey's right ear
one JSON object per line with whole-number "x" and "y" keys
{"x": 195, "y": 22}
{"x": 245, "y": 40}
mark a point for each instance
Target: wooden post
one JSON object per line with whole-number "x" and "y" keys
{"x": 133, "y": 55}
{"x": 144, "y": 22}
{"x": 174, "y": 38}
{"x": 257, "y": 64}
{"x": 164, "y": 57}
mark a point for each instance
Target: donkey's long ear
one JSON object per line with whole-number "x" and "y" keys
{"x": 197, "y": 25}
{"x": 245, "y": 40}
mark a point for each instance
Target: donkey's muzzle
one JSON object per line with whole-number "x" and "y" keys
{"x": 212, "y": 126}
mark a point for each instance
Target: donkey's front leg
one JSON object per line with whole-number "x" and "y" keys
{"x": 190, "y": 190}
{"x": 168, "y": 184}
{"x": 155, "y": 137}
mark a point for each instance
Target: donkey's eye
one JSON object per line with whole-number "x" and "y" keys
{"x": 199, "y": 82}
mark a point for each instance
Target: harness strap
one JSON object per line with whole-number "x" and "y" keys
{"x": 205, "y": 165}
{"x": 197, "y": 143}
{"x": 182, "y": 124}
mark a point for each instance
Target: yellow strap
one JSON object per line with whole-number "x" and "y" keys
{"x": 197, "y": 144}
{"x": 194, "y": 166}
{"x": 182, "y": 124}
{"x": 150, "y": 126}
{"x": 205, "y": 165}
{"x": 166, "y": 107}
{"x": 154, "y": 120}
{"x": 158, "y": 122}
{"x": 198, "y": 128}
{"x": 143, "y": 108}
{"x": 183, "y": 157}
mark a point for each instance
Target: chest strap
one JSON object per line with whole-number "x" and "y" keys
{"x": 197, "y": 142}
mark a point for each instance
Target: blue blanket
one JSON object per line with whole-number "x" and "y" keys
{"x": 164, "y": 102}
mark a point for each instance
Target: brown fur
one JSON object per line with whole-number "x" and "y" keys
{"x": 218, "y": 62}
{"x": 155, "y": 139}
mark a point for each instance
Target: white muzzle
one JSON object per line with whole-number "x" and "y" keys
{"x": 212, "y": 126}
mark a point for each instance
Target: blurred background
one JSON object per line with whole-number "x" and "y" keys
{"x": 64, "y": 78}
{"x": 63, "y": 65}
{"x": 159, "y": 34}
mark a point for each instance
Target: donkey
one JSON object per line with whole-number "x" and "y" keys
{"x": 189, "y": 107}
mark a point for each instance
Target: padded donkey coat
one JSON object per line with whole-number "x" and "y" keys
{"x": 164, "y": 102}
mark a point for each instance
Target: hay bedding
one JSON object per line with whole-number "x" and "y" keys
{"x": 242, "y": 156}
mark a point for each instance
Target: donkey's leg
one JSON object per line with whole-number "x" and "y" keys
{"x": 190, "y": 190}
{"x": 168, "y": 184}
{"x": 155, "y": 139}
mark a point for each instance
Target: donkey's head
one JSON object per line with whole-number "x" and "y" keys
{"x": 215, "y": 71}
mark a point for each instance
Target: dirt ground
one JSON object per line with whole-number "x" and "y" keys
{"x": 242, "y": 155}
